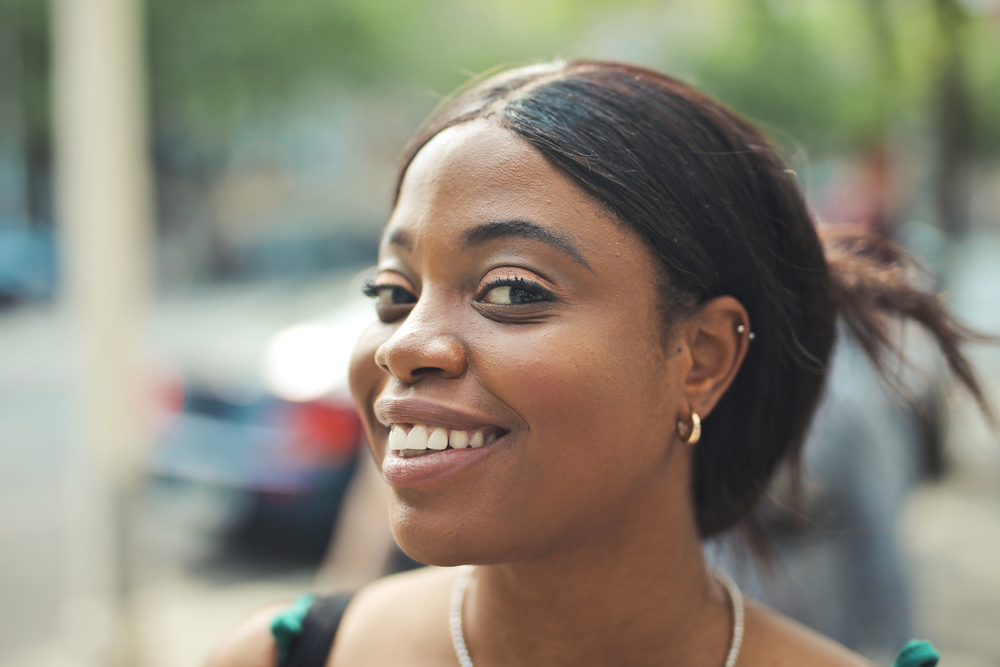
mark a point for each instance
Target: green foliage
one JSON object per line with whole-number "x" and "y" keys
{"x": 831, "y": 72}
{"x": 24, "y": 48}
{"x": 834, "y": 73}
{"x": 982, "y": 59}
{"x": 213, "y": 59}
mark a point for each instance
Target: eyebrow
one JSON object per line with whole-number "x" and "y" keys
{"x": 525, "y": 229}
{"x": 401, "y": 238}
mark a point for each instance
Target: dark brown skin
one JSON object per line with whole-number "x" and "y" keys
{"x": 581, "y": 524}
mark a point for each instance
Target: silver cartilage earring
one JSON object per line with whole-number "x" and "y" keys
{"x": 740, "y": 329}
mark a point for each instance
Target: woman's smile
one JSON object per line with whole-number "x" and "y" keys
{"x": 512, "y": 388}
{"x": 431, "y": 432}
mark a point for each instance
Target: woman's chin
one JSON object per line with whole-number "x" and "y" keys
{"x": 441, "y": 550}
{"x": 438, "y": 558}
{"x": 444, "y": 542}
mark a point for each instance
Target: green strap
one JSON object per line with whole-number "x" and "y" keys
{"x": 287, "y": 625}
{"x": 917, "y": 653}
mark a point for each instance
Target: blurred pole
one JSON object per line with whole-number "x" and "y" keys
{"x": 103, "y": 204}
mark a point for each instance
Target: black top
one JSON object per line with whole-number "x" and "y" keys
{"x": 312, "y": 647}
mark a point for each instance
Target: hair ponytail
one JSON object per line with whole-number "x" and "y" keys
{"x": 872, "y": 282}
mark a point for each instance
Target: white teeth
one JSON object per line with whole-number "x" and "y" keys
{"x": 458, "y": 439}
{"x": 438, "y": 439}
{"x": 417, "y": 438}
{"x": 397, "y": 438}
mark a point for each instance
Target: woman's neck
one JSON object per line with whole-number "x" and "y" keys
{"x": 642, "y": 595}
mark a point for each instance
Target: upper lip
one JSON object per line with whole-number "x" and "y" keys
{"x": 389, "y": 410}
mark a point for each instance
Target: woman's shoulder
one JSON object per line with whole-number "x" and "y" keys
{"x": 777, "y": 641}
{"x": 413, "y": 606}
{"x": 408, "y": 603}
{"x": 251, "y": 644}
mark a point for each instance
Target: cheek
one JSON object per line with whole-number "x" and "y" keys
{"x": 595, "y": 397}
{"x": 366, "y": 378}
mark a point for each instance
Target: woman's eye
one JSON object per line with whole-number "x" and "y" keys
{"x": 508, "y": 295}
{"x": 393, "y": 295}
{"x": 389, "y": 295}
{"x": 513, "y": 291}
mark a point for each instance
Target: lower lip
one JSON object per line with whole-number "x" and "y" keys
{"x": 404, "y": 473}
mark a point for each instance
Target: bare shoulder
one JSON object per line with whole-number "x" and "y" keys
{"x": 413, "y": 606}
{"x": 774, "y": 640}
{"x": 250, "y": 644}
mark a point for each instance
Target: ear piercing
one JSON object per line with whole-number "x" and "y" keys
{"x": 740, "y": 329}
{"x": 690, "y": 434}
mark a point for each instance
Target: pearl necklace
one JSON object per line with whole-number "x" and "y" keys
{"x": 462, "y": 583}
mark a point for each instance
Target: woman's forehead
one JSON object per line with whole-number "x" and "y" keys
{"x": 479, "y": 173}
{"x": 480, "y": 159}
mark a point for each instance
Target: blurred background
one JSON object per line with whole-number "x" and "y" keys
{"x": 190, "y": 194}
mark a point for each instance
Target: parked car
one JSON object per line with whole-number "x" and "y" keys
{"x": 27, "y": 263}
{"x": 262, "y": 450}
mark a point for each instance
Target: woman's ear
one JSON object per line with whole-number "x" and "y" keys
{"x": 717, "y": 337}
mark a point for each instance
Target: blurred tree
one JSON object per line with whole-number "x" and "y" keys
{"x": 980, "y": 48}
{"x": 952, "y": 120}
{"x": 213, "y": 60}
{"x": 835, "y": 74}
{"x": 24, "y": 49}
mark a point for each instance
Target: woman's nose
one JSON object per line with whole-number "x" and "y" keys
{"x": 422, "y": 347}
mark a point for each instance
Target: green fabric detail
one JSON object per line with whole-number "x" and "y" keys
{"x": 287, "y": 625}
{"x": 917, "y": 653}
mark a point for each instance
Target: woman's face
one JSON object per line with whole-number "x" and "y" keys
{"x": 511, "y": 305}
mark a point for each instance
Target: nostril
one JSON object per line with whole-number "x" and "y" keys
{"x": 428, "y": 371}
{"x": 412, "y": 354}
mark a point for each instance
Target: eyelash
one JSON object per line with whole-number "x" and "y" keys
{"x": 373, "y": 290}
{"x": 539, "y": 294}
{"x": 521, "y": 284}
{"x": 369, "y": 289}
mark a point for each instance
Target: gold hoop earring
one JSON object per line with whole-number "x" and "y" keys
{"x": 690, "y": 434}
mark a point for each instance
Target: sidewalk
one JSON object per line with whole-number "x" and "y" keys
{"x": 952, "y": 531}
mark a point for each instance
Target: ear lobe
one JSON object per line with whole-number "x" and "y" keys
{"x": 717, "y": 337}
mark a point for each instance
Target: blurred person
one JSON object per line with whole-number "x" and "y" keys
{"x": 868, "y": 195}
{"x": 838, "y": 565}
{"x": 605, "y": 316}
{"x": 840, "y": 568}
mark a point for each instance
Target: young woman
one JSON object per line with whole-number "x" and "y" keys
{"x": 604, "y": 320}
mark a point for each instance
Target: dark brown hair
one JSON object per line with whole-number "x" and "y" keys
{"x": 715, "y": 203}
